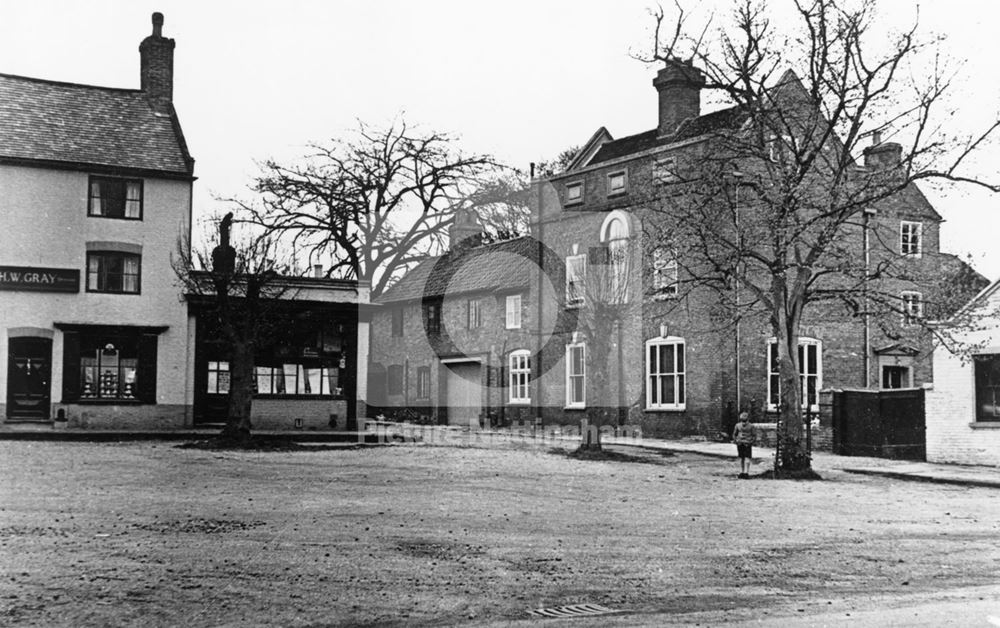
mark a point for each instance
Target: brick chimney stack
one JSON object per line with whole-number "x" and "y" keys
{"x": 679, "y": 85}
{"x": 156, "y": 67}
{"x": 882, "y": 156}
{"x": 465, "y": 232}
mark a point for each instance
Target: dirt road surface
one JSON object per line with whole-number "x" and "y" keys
{"x": 148, "y": 534}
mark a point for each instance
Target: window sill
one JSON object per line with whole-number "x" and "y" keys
{"x": 287, "y": 397}
{"x": 109, "y": 402}
{"x": 573, "y": 203}
{"x": 519, "y": 402}
{"x": 671, "y": 409}
{"x": 574, "y": 407}
{"x": 985, "y": 425}
{"x": 139, "y": 219}
{"x": 617, "y": 194}
{"x": 664, "y": 296}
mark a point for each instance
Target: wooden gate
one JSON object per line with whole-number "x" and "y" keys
{"x": 884, "y": 423}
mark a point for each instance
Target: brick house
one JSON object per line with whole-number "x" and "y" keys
{"x": 963, "y": 406}
{"x": 97, "y": 188}
{"x": 644, "y": 352}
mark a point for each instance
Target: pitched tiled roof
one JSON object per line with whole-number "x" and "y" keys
{"x": 82, "y": 124}
{"x": 693, "y": 127}
{"x": 498, "y": 266}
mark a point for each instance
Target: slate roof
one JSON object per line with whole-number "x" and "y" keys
{"x": 50, "y": 121}
{"x": 502, "y": 265}
{"x": 692, "y": 127}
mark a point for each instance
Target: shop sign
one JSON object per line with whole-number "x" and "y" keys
{"x": 39, "y": 279}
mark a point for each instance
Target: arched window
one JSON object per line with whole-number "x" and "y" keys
{"x": 615, "y": 235}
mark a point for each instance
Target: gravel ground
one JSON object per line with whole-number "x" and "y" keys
{"x": 149, "y": 534}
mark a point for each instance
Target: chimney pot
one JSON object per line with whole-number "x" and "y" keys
{"x": 318, "y": 271}
{"x": 157, "y": 24}
{"x": 876, "y": 138}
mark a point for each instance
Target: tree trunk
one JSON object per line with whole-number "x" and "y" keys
{"x": 791, "y": 436}
{"x": 240, "y": 391}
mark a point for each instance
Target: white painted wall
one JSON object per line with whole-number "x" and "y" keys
{"x": 45, "y": 224}
{"x": 953, "y": 435}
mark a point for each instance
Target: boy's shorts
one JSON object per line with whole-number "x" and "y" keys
{"x": 744, "y": 450}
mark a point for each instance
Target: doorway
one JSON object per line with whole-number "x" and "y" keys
{"x": 29, "y": 371}
{"x": 464, "y": 393}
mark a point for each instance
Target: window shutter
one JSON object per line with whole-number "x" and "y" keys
{"x": 71, "y": 366}
{"x": 147, "y": 368}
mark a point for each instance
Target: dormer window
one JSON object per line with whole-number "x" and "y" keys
{"x": 617, "y": 182}
{"x": 574, "y": 193}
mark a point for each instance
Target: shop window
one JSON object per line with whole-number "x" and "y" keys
{"x": 115, "y": 198}
{"x": 109, "y": 364}
{"x": 113, "y": 271}
{"x": 297, "y": 379}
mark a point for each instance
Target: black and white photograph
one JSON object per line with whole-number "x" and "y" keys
{"x": 442, "y": 313}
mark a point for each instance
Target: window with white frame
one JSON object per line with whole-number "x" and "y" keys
{"x": 665, "y": 374}
{"x": 576, "y": 278}
{"x": 617, "y": 182}
{"x": 910, "y": 238}
{"x": 513, "y": 318}
{"x": 475, "y": 314}
{"x": 665, "y": 170}
{"x": 574, "y": 192}
{"x": 912, "y": 306}
{"x": 576, "y": 375}
{"x": 519, "y": 376}
{"x": 615, "y": 237}
{"x": 781, "y": 148}
{"x": 665, "y": 271}
{"x": 810, "y": 374}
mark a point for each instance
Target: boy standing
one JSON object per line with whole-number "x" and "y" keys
{"x": 744, "y": 437}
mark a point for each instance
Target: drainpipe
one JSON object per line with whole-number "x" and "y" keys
{"x": 537, "y": 368}
{"x": 868, "y": 213}
{"x": 739, "y": 255}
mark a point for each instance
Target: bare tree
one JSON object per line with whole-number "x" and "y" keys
{"x": 373, "y": 205}
{"x": 777, "y": 212}
{"x": 238, "y": 290}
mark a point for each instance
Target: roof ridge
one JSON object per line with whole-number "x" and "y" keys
{"x": 69, "y": 84}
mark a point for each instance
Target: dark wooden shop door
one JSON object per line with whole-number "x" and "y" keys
{"x": 29, "y": 376}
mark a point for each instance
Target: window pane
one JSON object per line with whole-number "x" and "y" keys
{"x": 772, "y": 351}
{"x": 213, "y": 382}
{"x": 666, "y": 358}
{"x": 578, "y": 390}
{"x": 811, "y": 362}
{"x": 290, "y": 371}
{"x": 134, "y": 199}
{"x": 667, "y": 390}
{"x": 654, "y": 364}
{"x": 774, "y": 390}
{"x": 680, "y": 358}
{"x": 680, "y": 389}
{"x": 654, "y": 391}
{"x": 311, "y": 381}
{"x": 263, "y": 380}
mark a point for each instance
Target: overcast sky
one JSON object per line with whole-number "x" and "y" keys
{"x": 520, "y": 79}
